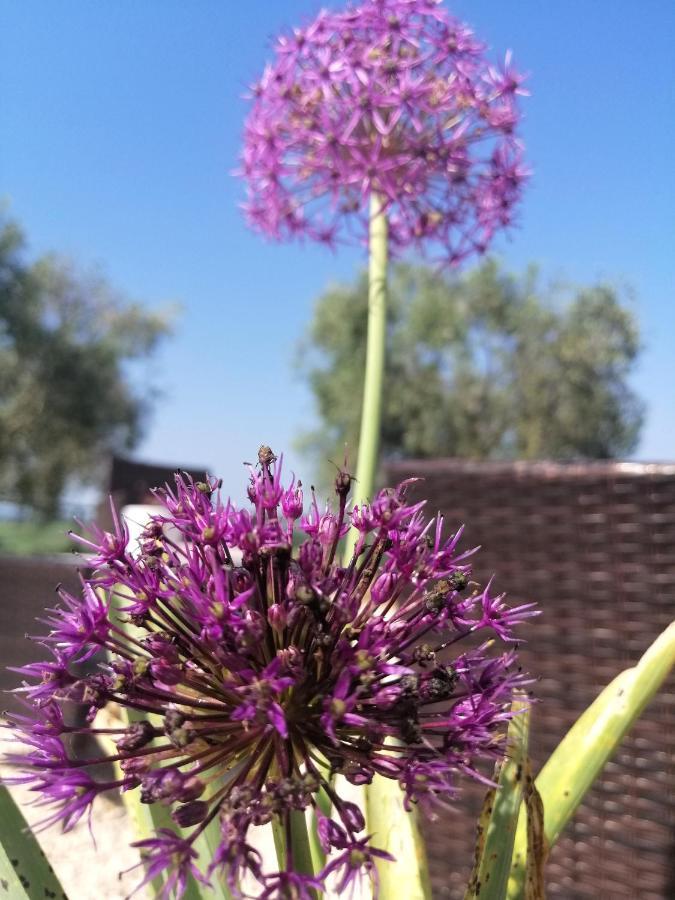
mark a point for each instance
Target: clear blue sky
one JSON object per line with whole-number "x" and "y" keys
{"x": 120, "y": 123}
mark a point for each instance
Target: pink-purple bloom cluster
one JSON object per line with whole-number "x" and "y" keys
{"x": 260, "y": 665}
{"x": 396, "y": 98}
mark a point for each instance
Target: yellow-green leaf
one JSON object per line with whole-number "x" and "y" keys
{"x": 481, "y": 833}
{"x": 537, "y": 845}
{"x": 500, "y": 812}
{"x": 589, "y": 744}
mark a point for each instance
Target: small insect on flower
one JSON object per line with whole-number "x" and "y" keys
{"x": 258, "y": 666}
{"x": 395, "y": 98}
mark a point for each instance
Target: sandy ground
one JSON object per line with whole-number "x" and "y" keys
{"x": 87, "y": 871}
{"x": 98, "y": 868}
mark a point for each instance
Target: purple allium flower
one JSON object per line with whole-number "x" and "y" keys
{"x": 168, "y": 851}
{"x": 394, "y": 97}
{"x": 259, "y": 666}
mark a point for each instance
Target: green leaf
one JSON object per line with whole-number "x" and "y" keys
{"x": 537, "y": 845}
{"x": 589, "y": 744}
{"x": 481, "y": 832}
{"x": 25, "y": 873}
{"x": 396, "y": 831}
{"x": 497, "y": 828}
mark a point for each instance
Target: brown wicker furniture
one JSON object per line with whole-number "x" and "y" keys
{"x": 594, "y": 544}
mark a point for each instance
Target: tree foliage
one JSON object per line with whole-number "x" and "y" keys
{"x": 66, "y": 395}
{"x": 486, "y": 365}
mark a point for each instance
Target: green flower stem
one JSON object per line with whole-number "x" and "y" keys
{"x": 371, "y": 410}
{"x": 302, "y": 853}
{"x": 294, "y": 836}
{"x": 392, "y": 827}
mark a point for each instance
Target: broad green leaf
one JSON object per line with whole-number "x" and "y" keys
{"x": 589, "y": 744}
{"x": 396, "y": 831}
{"x": 25, "y": 873}
{"x": 497, "y": 826}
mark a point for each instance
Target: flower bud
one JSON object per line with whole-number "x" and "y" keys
{"x": 178, "y": 732}
{"x": 137, "y": 735}
{"x": 192, "y": 788}
{"x": 292, "y": 502}
{"x": 190, "y": 813}
{"x": 383, "y": 588}
{"x": 166, "y": 673}
{"x": 162, "y": 786}
{"x": 331, "y": 834}
{"x": 343, "y": 483}
{"x": 277, "y": 617}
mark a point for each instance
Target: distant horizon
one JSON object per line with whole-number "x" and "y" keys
{"x": 118, "y": 144}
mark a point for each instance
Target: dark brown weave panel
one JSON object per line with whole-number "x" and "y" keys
{"x": 27, "y": 588}
{"x": 594, "y": 544}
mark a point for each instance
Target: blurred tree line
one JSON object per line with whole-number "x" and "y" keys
{"x": 67, "y": 400}
{"x": 484, "y": 365}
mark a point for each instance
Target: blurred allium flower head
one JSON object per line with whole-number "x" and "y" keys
{"x": 259, "y": 666}
{"x": 394, "y": 97}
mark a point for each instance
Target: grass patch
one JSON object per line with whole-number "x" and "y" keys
{"x": 33, "y": 538}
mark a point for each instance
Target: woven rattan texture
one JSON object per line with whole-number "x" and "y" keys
{"x": 27, "y": 588}
{"x": 595, "y": 546}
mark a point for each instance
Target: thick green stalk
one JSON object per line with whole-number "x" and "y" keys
{"x": 392, "y": 827}
{"x": 371, "y": 410}
{"x": 296, "y": 836}
{"x": 302, "y": 852}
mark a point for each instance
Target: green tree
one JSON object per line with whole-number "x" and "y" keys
{"x": 66, "y": 394}
{"x": 486, "y": 365}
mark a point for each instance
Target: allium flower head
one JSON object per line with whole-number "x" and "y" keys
{"x": 394, "y": 97}
{"x": 258, "y": 666}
